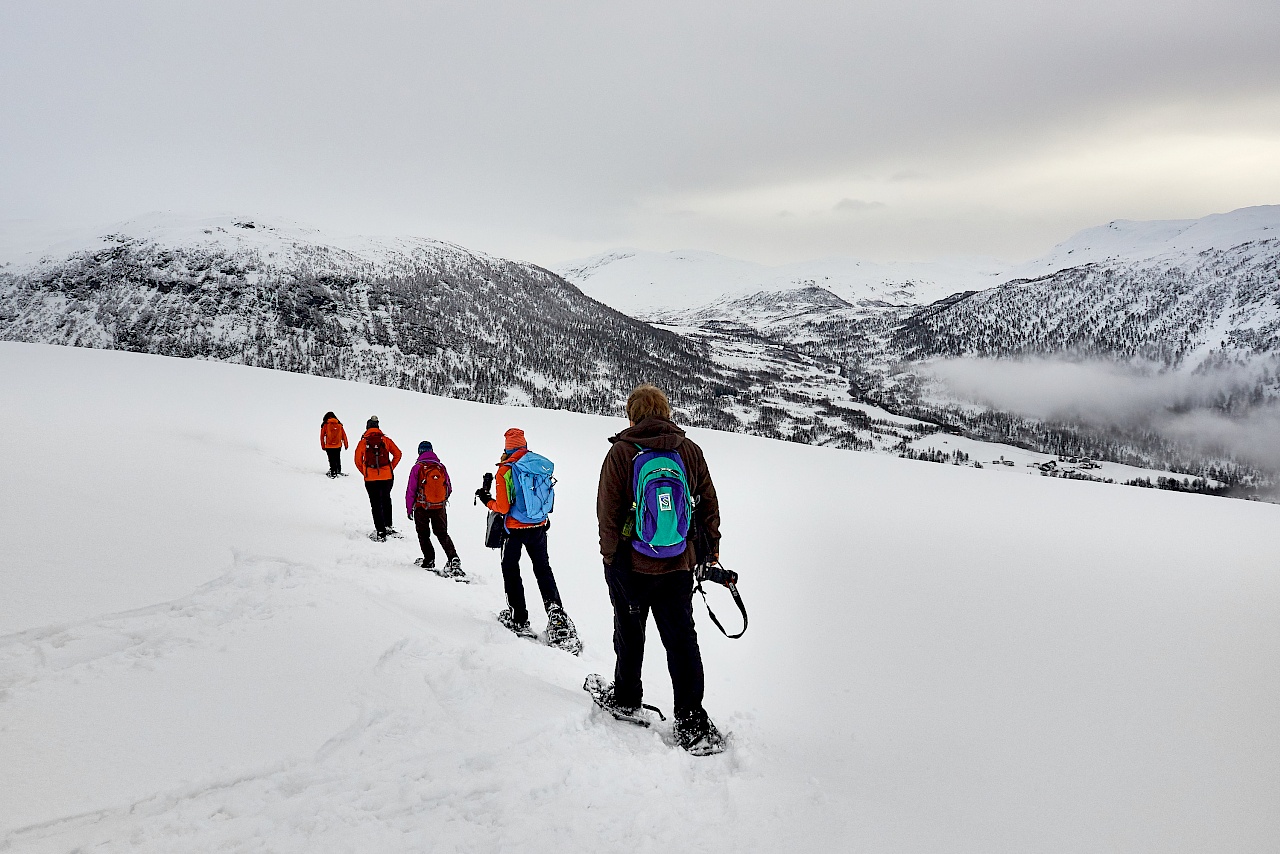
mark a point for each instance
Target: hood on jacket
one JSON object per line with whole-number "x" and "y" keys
{"x": 653, "y": 432}
{"x": 428, "y": 457}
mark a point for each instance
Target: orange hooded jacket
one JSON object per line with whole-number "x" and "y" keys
{"x": 382, "y": 472}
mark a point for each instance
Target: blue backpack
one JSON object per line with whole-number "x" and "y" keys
{"x": 663, "y": 507}
{"x": 534, "y": 488}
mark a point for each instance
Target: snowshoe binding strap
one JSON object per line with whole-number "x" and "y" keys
{"x": 713, "y": 571}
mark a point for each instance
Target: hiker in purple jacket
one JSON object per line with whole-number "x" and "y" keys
{"x": 425, "y": 499}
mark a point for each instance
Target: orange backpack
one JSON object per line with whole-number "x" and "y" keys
{"x": 333, "y": 433}
{"x": 433, "y": 486}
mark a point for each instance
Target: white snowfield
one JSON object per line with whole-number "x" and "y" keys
{"x": 1171, "y": 240}
{"x": 201, "y": 650}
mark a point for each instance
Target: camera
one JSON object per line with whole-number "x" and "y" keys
{"x": 715, "y": 573}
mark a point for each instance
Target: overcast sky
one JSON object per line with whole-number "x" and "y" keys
{"x": 547, "y": 130}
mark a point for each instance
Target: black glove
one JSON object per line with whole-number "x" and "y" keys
{"x": 484, "y": 496}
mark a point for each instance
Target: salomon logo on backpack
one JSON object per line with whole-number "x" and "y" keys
{"x": 663, "y": 507}
{"x": 534, "y": 488}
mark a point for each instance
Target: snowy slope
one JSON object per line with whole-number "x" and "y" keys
{"x": 1174, "y": 240}
{"x": 643, "y": 283}
{"x": 202, "y": 651}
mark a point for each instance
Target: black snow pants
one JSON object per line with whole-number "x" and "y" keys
{"x": 427, "y": 521}
{"x": 380, "y": 502}
{"x": 670, "y": 597}
{"x": 533, "y": 541}
{"x": 335, "y": 460}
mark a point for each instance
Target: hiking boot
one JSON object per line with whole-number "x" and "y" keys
{"x": 695, "y": 732}
{"x": 561, "y": 632}
{"x": 453, "y": 568}
{"x": 423, "y": 563}
{"x": 522, "y": 629}
{"x": 378, "y": 536}
{"x": 607, "y": 701}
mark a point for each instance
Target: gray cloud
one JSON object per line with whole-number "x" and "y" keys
{"x": 1181, "y": 406}
{"x": 549, "y": 128}
{"x": 847, "y": 204}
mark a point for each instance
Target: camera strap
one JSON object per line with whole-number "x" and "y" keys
{"x": 733, "y": 590}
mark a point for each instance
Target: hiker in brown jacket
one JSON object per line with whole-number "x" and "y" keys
{"x": 640, "y": 583}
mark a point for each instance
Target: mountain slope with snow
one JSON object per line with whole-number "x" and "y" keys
{"x": 201, "y": 650}
{"x": 643, "y": 283}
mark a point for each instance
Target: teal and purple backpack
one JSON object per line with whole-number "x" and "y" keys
{"x": 663, "y": 506}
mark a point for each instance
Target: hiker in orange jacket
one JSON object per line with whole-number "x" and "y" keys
{"x": 333, "y": 438}
{"x": 376, "y": 458}
{"x": 531, "y": 536}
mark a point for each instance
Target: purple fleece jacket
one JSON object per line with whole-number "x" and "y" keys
{"x": 412, "y": 491}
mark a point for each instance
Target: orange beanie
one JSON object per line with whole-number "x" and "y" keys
{"x": 514, "y": 439}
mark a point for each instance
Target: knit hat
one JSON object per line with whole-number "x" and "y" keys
{"x": 371, "y": 423}
{"x": 514, "y": 439}
{"x": 424, "y": 446}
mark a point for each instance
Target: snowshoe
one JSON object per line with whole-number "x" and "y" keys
{"x": 521, "y": 629}
{"x": 697, "y": 734}
{"x": 602, "y": 695}
{"x": 378, "y": 537}
{"x": 331, "y": 474}
{"x": 392, "y": 532}
{"x": 561, "y": 632}
{"x": 452, "y": 569}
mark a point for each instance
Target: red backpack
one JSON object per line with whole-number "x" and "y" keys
{"x": 375, "y": 452}
{"x": 433, "y": 486}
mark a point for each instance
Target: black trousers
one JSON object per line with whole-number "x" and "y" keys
{"x": 380, "y": 502}
{"x": 533, "y": 541}
{"x": 670, "y": 597}
{"x": 435, "y": 520}
{"x": 335, "y": 460}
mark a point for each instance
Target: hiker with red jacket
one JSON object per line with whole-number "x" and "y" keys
{"x": 333, "y": 438}
{"x": 376, "y": 458}
{"x": 524, "y": 495}
{"x": 425, "y": 500}
{"x": 654, "y": 487}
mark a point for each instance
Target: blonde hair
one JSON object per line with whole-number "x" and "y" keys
{"x": 647, "y": 401}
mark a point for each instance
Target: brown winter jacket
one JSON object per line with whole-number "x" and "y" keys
{"x": 614, "y": 498}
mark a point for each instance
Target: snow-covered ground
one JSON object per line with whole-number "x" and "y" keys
{"x": 201, "y": 650}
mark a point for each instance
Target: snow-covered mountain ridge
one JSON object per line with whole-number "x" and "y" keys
{"x": 647, "y": 284}
{"x": 408, "y": 313}
{"x": 1180, "y": 296}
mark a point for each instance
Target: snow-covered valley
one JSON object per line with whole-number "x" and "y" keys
{"x": 201, "y": 650}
